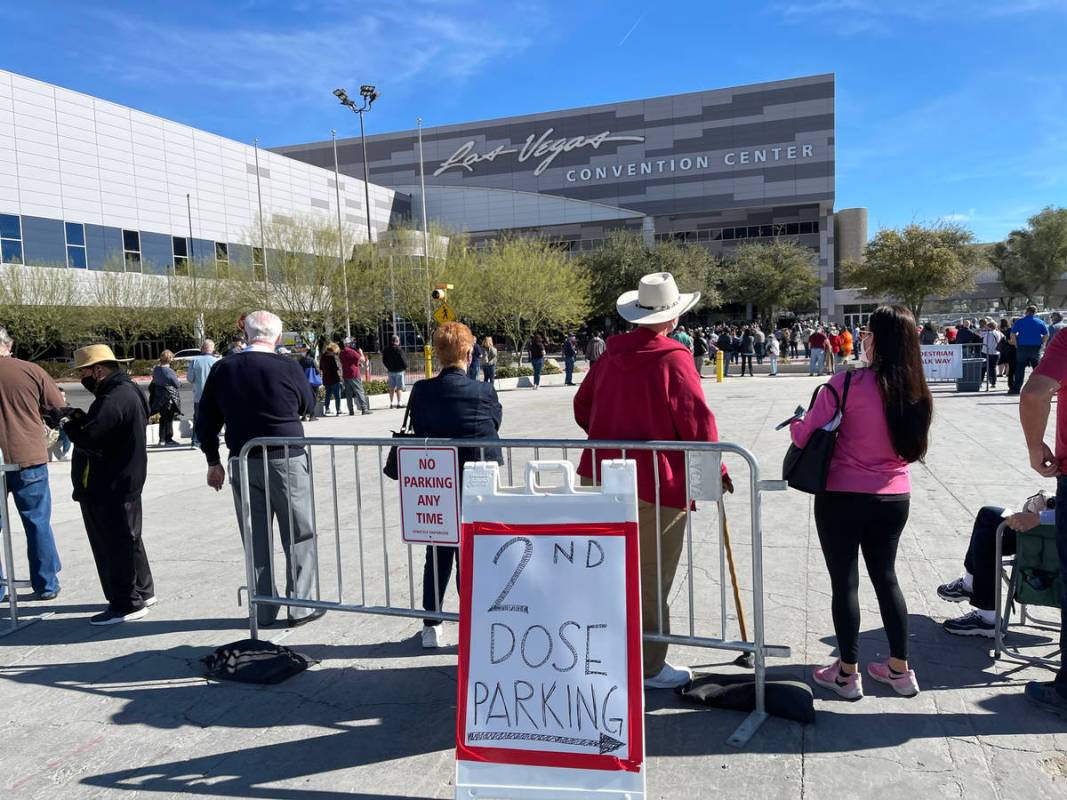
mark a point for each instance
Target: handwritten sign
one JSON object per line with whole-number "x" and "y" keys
{"x": 429, "y": 494}
{"x": 550, "y": 634}
{"x": 942, "y": 362}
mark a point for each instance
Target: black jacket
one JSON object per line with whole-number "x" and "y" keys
{"x": 110, "y": 461}
{"x": 393, "y": 359}
{"x": 452, "y": 406}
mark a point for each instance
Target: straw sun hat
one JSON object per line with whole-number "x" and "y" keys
{"x": 95, "y": 354}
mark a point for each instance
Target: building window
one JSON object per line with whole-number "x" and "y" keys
{"x": 727, "y": 233}
{"x": 766, "y": 230}
{"x": 131, "y": 251}
{"x": 806, "y": 227}
{"x": 258, "y": 267}
{"x": 75, "y": 233}
{"x": 10, "y": 239}
{"x": 222, "y": 258}
{"x": 180, "y": 250}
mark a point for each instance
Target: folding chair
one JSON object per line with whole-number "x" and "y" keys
{"x": 1033, "y": 579}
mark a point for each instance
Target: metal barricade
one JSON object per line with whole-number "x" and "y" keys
{"x": 13, "y": 585}
{"x": 346, "y": 474}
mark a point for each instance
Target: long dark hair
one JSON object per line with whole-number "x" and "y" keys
{"x": 898, "y": 367}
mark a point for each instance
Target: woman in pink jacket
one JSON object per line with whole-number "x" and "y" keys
{"x": 884, "y": 427}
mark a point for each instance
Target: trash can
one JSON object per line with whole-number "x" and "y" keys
{"x": 974, "y": 367}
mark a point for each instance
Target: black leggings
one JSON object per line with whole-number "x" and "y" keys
{"x": 746, "y": 360}
{"x": 848, "y": 523}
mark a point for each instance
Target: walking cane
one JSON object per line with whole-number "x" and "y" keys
{"x": 745, "y": 659}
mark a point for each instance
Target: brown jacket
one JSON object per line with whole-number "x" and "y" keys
{"x": 26, "y": 392}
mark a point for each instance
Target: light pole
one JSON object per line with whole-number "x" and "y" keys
{"x": 369, "y": 95}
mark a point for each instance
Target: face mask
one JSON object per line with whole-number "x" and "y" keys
{"x": 90, "y": 383}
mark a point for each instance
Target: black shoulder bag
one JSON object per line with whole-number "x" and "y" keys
{"x": 807, "y": 468}
{"x": 391, "y": 469}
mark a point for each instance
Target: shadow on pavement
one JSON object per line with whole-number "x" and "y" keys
{"x": 345, "y": 714}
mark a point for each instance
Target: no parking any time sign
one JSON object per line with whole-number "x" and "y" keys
{"x": 429, "y": 494}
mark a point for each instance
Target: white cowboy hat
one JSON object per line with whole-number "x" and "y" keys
{"x": 657, "y": 299}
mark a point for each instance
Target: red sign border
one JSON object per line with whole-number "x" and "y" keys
{"x": 635, "y": 671}
{"x": 400, "y": 476}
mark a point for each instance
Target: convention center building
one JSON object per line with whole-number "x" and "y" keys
{"x": 89, "y": 185}
{"x": 712, "y": 168}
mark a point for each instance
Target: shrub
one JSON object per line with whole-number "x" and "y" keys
{"x": 551, "y": 368}
{"x": 376, "y": 387}
{"x": 514, "y": 372}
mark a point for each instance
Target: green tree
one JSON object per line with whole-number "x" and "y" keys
{"x": 304, "y": 275}
{"x": 915, "y": 262}
{"x": 126, "y": 307}
{"x": 623, "y": 258}
{"x": 1006, "y": 260}
{"x": 1043, "y": 249}
{"x": 772, "y": 276}
{"x": 527, "y": 285}
{"x": 39, "y": 308}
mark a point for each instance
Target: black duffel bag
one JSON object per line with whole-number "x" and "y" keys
{"x": 807, "y": 468}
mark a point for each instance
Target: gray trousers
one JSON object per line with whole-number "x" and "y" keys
{"x": 354, "y": 388}
{"x": 289, "y": 491}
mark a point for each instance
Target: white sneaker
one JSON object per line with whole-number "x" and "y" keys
{"x": 150, "y": 601}
{"x": 433, "y": 637}
{"x": 669, "y": 678}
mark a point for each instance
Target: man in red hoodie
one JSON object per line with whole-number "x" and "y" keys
{"x": 645, "y": 387}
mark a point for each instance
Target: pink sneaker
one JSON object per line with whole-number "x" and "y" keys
{"x": 850, "y": 688}
{"x": 903, "y": 683}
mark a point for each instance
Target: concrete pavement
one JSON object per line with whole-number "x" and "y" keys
{"x": 123, "y": 711}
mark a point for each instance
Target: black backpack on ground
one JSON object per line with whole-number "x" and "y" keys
{"x": 254, "y": 661}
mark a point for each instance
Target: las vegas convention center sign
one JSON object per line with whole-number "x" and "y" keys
{"x": 541, "y": 150}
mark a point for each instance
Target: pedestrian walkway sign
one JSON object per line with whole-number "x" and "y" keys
{"x": 551, "y": 702}
{"x": 444, "y": 313}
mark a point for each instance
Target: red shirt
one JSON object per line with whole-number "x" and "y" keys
{"x": 350, "y": 363}
{"x": 645, "y": 388}
{"x": 835, "y": 344}
{"x": 950, "y": 335}
{"x": 1054, "y": 365}
{"x": 817, "y": 341}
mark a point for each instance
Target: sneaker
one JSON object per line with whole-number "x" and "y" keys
{"x": 110, "y": 617}
{"x": 670, "y": 677}
{"x": 955, "y": 592}
{"x": 850, "y": 687}
{"x": 904, "y": 684}
{"x": 150, "y": 601}
{"x": 171, "y": 443}
{"x": 971, "y": 624}
{"x": 433, "y": 637}
{"x": 1047, "y": 696}
{"x": 46, "y": 596}
{"x": 368, "y": 411}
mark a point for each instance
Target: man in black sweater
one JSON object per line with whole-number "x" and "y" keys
{"x": 261, "y": 393}
{"x": 108, "y": 472}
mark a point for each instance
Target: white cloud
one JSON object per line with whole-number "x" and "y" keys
{"x": 430, "y": 41}
{"x": 966, "y": 217}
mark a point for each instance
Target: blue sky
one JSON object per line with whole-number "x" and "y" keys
{"x": 946, "y": 109}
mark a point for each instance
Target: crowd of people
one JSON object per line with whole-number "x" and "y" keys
{"x": 641, "y": 385}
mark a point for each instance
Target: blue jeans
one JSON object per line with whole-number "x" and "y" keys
{"x": 196, "y": 410}
{"x": 818, "y": 362}
{"x": 1061, "y": 550}
{"x": 333, "y": 391}
{"x": 568, "y": 366}
{"x": 537, "y": 364}
{"x": 489, "y": 373}
{"x": 1025, "y": 356}
{"x": 29, "y": 486}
